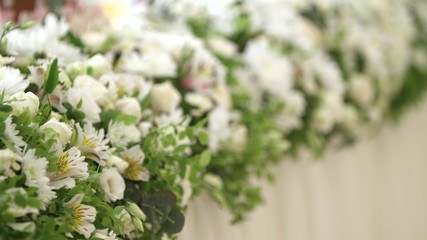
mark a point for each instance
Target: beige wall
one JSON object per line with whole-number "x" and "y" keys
{"x": 376, "y": 190}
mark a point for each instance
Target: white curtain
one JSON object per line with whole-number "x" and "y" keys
{"x": 376, "y": 190}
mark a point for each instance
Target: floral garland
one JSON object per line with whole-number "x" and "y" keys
{"x": 112, "y": 120}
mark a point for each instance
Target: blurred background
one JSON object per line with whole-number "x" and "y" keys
{"x": 375, "y": 190}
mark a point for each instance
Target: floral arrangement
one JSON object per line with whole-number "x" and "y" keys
{"x": 115, "y": 114}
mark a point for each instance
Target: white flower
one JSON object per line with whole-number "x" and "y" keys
{"x": 132, "y": 85}
{"x": 274, "y": 71}
{"x": 11, "y": 81}
{"x": 60, "y": 131}
{"x": 127, "y": 226}
{"x": 117, "y": 162}
{"x": 21, "y": 101}
{"x": 290, "y": 117}
{"x": 164, "y": 97}
{"x": 94, "y": 40}
{"x": 92, "y": 143}
{"x": 88, "y": 103}
{"x": 222, "y": 46}
{"x": 69, "y": 165}
{"x": 135, "y": 158}
{"x": 11, "y": 134}
{"x": 221, "y": 96}
{"x": 113, "y": 184}
{"x": 238, "y": 138}
{"x": 9, "y": 163}
{"x": 34, "y": 169}
{"x": 201, "y": 102}
{"x": 97, "y": 90}
{"x": 361, "y": 90}
{"x": 23, "y": 227}
{"x": 83, "y": 216}
{"x": 16, "y": 210}
{"x": 121, "y": 135}
{"x": 105, "y": 235}
{"x": 145, "y": 128}
{"x": 129, "y": 106}
{"x": 153, "y": 63}
{"x": 99, "y": 65}
{"x": 218, "y": 128}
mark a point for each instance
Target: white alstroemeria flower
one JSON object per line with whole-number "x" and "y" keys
{"x": 97, "y": 90}
{"x": 153, "y": 63}
{"x": 11, "y": 81}
{"x": 113, "y": 184}
{"x": 11, "y": 134}
{"x": 70, "y": 165}
{"x": 120, "y": 135}
{"x": 99, "y": 65}
{"x": 165, "y": 97}
{"x": 9, "y": 163}
{"x": 129, "y": 106}
{"x": 201, "y": 102}
{"x": 83, "y": 216}
{"x": 14, "y": 209}
{"x": 21, "y": 101}
{"x": 117, "y": 162}
{"x": 135, "y": 158}
{"x": 23, "y": 227}
{"x": 60, "y": 131}
{"x": 127, "y": 227}
{"x": 89, "y": 106}
{"x": 105, "y": 235}
{"x": 92, "y": 143}
{"x": 35, "y": 172}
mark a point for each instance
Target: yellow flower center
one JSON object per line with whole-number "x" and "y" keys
{"x": 88, "y": 142}
{"x": 62, "y": 163}
{"x": 134, "y": 170}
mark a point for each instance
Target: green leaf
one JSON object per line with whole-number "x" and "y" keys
{"x": 205, "y": 158}
{"x": 174, "y": 222}
{"x": 203, "y": 138}
{"x": 52, "y": 77}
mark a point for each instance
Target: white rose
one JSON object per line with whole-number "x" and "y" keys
{"x": 202, "y": 103}
{"x": 129, "y": 106}
{"x": 98, "y": 91}
{"x": 238, "y": 138}
{"x": 76, "y": 69}
{"x": 362, "y": 90}
{"x": 117, "y": 162}
{"x": 113, "y": 184}
{"x": 323, "y": 120}
{"x": 99, "y": 65}
{"x": 221, "y": 95}
{"x": 222, "y": 46}
{"x": 21, "y": 101}
{"x": 165, "y": 97}
{"x": 59, "y": 130}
